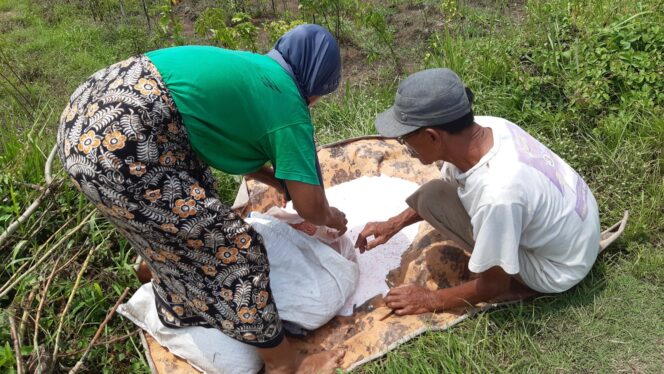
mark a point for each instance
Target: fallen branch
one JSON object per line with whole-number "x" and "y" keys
{"x": 44, "y": 292}
{"x": 84, "y": 267}
{"x": 72, "y": 259}
{"x": 99, "y": 330}
{"x": 8, "y": 286}
{"x": 49, "y": 163}
{"x": 25, "y": 264}
{"x": 35, "y": 204}
{"x": 17, "y": 343}
{"x": 38, "y": 225}
{"x": 32, "y": 186}
{"x": 11, "y": 229}
{"x": 26, "y": 306}
{"x": 97, "y": 344}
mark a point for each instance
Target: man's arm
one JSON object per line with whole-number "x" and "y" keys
{"x": 491, "y": 284}
{"x": 383, "y": 231}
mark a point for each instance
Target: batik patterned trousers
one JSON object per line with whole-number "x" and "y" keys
{"x": 122, "y": 141}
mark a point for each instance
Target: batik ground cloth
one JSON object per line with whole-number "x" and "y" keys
{"x": 430, "y": 260}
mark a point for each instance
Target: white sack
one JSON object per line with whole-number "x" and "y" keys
{"x": 310, "y": 282}
{"x": 368, "y": 199}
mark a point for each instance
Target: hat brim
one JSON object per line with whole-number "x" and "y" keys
{"x": 389, "y": 127}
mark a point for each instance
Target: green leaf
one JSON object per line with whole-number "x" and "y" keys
{"x": 98, "y": 290}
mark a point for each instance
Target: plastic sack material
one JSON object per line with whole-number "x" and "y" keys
{"x": 342, "y": 244}
{"x": 309, "y": 280}
{"x": 310, "y": 283}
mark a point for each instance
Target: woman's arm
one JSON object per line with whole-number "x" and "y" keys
{"x": 311, "y": 204}
{"x": 266, "y": 175}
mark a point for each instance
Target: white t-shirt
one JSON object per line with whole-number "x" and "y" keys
{"x": 531, "y": 213}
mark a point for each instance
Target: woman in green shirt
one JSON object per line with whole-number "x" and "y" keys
{"x": 137, "y": 138}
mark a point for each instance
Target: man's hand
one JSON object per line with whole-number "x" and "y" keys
{"x": 410, "y": 299}
{"x": 491, "y": 284}
{"x": 381, "y": 231}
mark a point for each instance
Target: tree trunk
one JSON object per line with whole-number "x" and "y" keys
{"x": 147, "y": 16}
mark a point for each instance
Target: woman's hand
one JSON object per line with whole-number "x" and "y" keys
{"x": 310, "y": 203}
{"x": 337, "y": 220}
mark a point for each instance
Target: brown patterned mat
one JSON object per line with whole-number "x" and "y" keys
{"x": 430, "y": 261}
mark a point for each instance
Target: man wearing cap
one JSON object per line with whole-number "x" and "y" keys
{"x": 528, "y": 218}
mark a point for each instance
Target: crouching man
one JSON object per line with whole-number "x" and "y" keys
{"x": 529, "y": 219}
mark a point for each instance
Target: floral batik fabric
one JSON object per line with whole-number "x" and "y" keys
{"x": 122, "y": 141}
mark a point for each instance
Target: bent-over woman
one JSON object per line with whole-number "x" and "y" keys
{"x": 138, "y": 137}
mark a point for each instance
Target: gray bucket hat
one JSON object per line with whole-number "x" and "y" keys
{"x": 427, "y": 98}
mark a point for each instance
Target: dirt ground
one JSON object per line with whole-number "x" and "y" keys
{"x": 412, "y": 22}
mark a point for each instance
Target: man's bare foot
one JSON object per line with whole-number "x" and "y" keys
{"x": 518, "y": 291}
{"x": 321, "y": 363}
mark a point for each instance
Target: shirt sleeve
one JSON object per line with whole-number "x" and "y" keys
{"x": 497, "y": 231}
{"x": 293, "y": 153}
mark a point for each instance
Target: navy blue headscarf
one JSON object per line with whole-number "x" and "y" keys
{"x": 310, "y": 54}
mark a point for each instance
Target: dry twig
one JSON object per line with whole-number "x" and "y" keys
{"x": 75, "y": 256}
{"x": 26, "y": 306}
{"x": 35, "y": 204}
{"x": 49, "y": 164}
{"x": 26, "y": 214}
{"x": 38, "y": 225}
{"x": 44, "y": 292}
{"x": 17, "y": 343}
{"x": 13, "y": 282}
{"x": 84, "y": 267}
{"x": 97, "y": 344}
{"x": 25, "y": 264}
{"x": 99, "y": 330}
{"x": 32, "y": 186}
{"x": 37, "y": 349}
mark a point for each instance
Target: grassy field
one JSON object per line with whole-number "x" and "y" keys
{"x": 585, "y": 77}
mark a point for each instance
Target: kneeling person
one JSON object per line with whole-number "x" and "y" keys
{"x": 528, "y": 218}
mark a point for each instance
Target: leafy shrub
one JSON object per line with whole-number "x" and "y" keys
{"x": 230, "y": 31}
{"x": 275, "y": 29}
{"x": 170, "y": 27}
{"x": 600, "y": 68}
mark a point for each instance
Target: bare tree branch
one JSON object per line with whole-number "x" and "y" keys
{"x": 97, "y": 344}
{"x": 84, "y": 267}
{"x": 17, "y": 343}
{"x": 11, "y": 284}
{"x": 99, "y": 330}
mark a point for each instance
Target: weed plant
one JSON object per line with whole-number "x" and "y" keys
{"x": 584, "y": 77}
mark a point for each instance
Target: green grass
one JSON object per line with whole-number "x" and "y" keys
{"x": 609, "y": 323}
{"x": 584, "y": 77}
